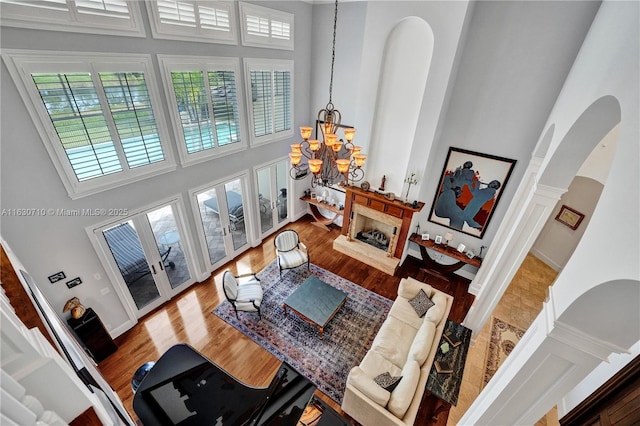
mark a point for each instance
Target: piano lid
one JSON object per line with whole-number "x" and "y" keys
{"x": 184, "y": 388}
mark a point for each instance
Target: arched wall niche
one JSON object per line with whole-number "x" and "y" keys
{"x": 581, "y": 139}
{"x": 609, "y": 312}
{"x": 403, "y": 78}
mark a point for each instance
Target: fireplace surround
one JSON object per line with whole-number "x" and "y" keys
{"x": 384, "y": 223}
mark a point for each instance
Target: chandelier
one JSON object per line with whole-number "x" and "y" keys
{"x": 331, "y": 160}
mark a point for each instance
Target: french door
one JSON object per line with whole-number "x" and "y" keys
{"x": 224, "y": 226}
{"x": 271, "y": 181}
{"x": 148, "y": 257}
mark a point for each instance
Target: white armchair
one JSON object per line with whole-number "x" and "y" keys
{"x": 244, "y": 292}
{"x": 291, "y": 252}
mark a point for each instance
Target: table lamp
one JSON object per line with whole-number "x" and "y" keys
{"x": 448, "y": 237}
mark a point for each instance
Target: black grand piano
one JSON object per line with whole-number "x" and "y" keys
{"x": 184, "y": 388}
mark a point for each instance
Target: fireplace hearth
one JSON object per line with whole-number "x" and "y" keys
{"x": 377, "y": 229}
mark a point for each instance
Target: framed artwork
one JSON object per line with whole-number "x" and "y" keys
{"x": 569, "y": 217}
{"x": 469, "y": 190}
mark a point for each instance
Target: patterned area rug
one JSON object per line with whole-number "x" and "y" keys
{"x": 504, "y": 337}
{"x": 345, "y": 341}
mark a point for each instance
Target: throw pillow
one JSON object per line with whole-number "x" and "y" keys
{"x": 387, "y": 381}
{"x": 421, "y": 303}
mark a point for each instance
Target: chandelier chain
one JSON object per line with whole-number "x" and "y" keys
{"x": 333, "y": 52}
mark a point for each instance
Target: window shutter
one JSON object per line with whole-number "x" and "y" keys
{"x": 130, "y": 107}
{"x": 192, "y": 20}
{"x": 204, "y": 97}
{"x": 75, "y": 111}
{"x": 271, "y": 102}
{"x": 264, "y": 27}
{"x": 113, "y": 17}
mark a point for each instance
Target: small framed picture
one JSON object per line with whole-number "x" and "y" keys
{"x": 470, "y": 254}
{"x": 57, "y": 277}
{"x": 570, "y": 217}
{"x": 425, "y": 236}
{"x": 461, "y": 248}
{"x": 314, "y": 195}
{"x": 438, "y": 239}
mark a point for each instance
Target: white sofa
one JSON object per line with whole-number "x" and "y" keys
{"x": 405, "y": 346}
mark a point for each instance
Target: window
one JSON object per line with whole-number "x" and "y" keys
{"x": 96, "y": 115}
{"x": 264, "y": 27}
{"x": 271, "y": 103}
{"x": 203, "y": 95}
{"x": 113, "y": 17}
{"x": 193, "y": 20}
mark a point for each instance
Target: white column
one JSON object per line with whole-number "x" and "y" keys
{"x": 549, "y": 361}
{"x": 509, "y": 249}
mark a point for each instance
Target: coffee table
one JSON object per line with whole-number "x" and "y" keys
{"x": 315, "y": 302}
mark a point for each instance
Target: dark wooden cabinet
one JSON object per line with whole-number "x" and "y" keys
{"x": 92, "y": 335}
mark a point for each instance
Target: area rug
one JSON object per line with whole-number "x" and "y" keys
{"x": 504, "y": 337}
{"x": 345, "y": 340}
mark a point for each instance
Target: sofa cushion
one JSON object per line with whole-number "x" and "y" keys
{"x": 422, "y": 343}
{"x": 421, "y": 303}
{"x": 365, "y": 384}
{"x": 402, "y": 310}
{"x": 436, "y": 313}
{"x": 373, "y": 364}
{"x": 409, "y": 287}
{"x": 387, "y": 381}
{"x": 403, "y": 394}
{"x": 394, "y": 340}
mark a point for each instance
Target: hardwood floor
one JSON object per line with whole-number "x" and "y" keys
{"x": 188, "y": 318}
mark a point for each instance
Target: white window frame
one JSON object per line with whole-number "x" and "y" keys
{"x": 169, "y": 63}
{"x": 271, "y": 15}
{"x": 28, "y": 16}
{"x": 21, "y": 63}
{"x": 167, "y": 31}
{"x": 272, "y": 65}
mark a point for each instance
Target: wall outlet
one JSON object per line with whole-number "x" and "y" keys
{"x": 105, "y": 291}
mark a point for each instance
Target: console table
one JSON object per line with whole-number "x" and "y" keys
{"x": 322, "y": 221}
{"x": 446, "y": 386}
{"x": 461, "y": 258}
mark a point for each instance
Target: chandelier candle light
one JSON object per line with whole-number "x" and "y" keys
{"x": 331, "y": 160}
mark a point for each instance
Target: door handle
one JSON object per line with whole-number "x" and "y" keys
{"x": 224, "y": 231}
{"x": 161, "y": 265}
{"x": 153, "y": 268}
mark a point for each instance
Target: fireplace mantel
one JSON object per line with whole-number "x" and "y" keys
{"x": 399, "y": 215}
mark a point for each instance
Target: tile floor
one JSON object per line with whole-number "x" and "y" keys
{"x": 520, "y": 305}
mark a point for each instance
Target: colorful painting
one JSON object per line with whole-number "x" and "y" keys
{"x": 469, "y": 190}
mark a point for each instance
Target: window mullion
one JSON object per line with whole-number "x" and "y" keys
{"x": 73, "y": 11}
{"x": 273, "y": 101}
{"x": 111, "y": 124}
{"x": 210, "y": 107}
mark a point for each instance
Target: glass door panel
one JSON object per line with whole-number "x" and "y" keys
{"x": 235, "y": 208}
{"x": 126, "y": 248}
{"x": 212, "y": 224}
{"x": 264, "y": 199}
{"x": 282, "y": 173}
{"x": 165, "y": 231}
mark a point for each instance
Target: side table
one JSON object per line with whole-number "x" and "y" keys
{"x": 92, "y": 335}
{"x": 446, "y": 386}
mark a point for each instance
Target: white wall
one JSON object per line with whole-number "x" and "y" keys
{"x": 513, "y": 64}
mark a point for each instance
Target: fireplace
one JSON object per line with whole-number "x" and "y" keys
{"x": 377, "y": 229}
